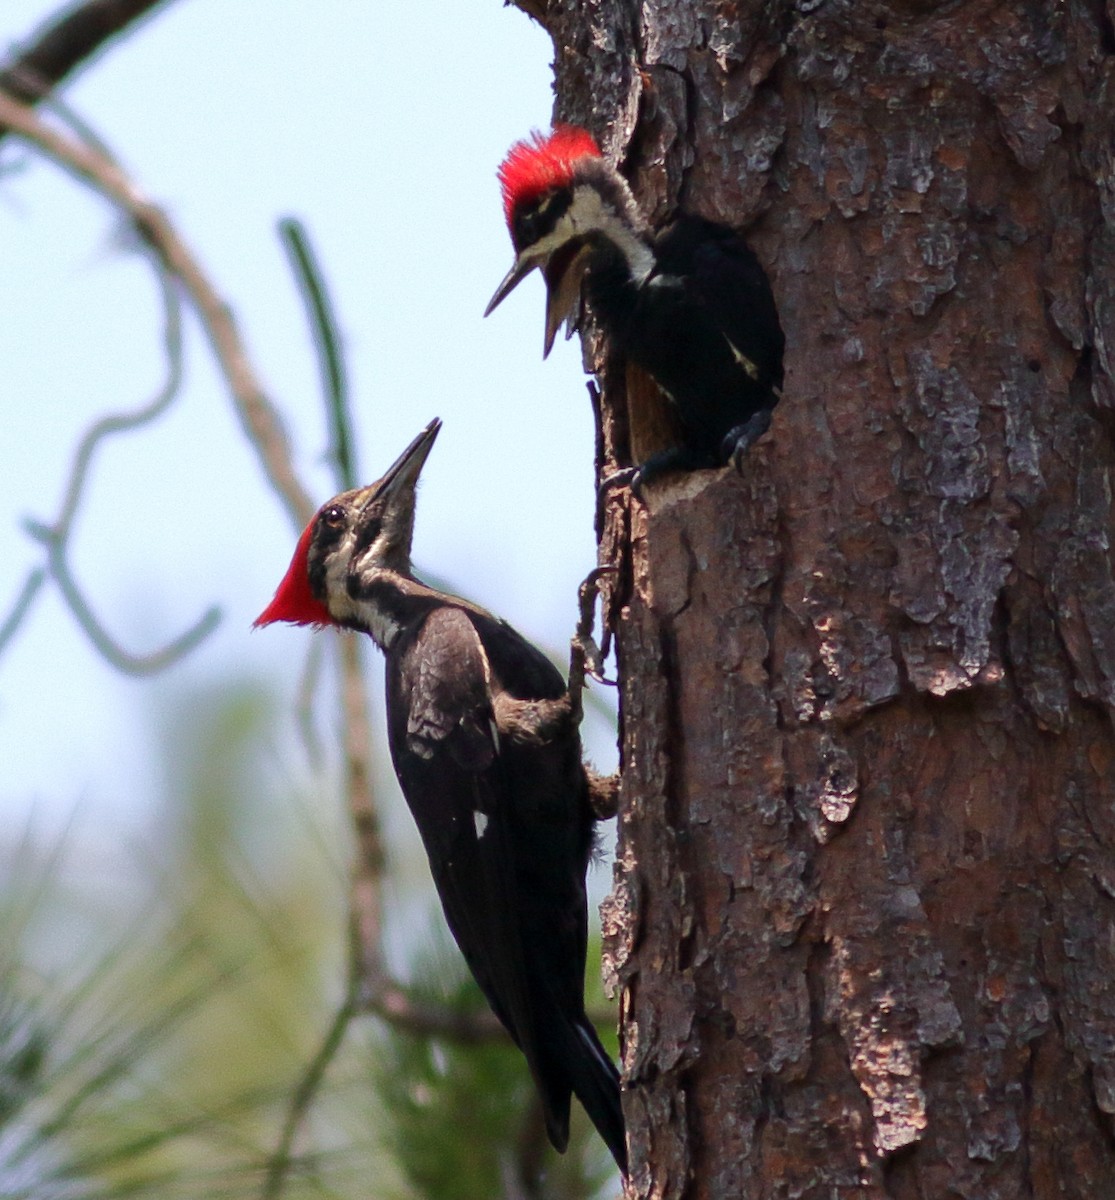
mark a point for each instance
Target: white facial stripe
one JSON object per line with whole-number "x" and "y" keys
{"x": 342, "y": 606}
{"x": 337, "y": 598}
{"x": 554, "y": 240}
{"x": 480, "y": 820}
{"x": 589, "y": 213}
{"x": 379, "y": 625}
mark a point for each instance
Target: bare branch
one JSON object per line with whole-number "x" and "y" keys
{"x": 112, "y": 651}
{"x": 257, "y": 414}
{"x": 391, "y": 1002}
{"x": 64, "y": 44}
{"x": 22, "y": 606}
{"x": 56, "y": 536}
{"x": 394, "y": 1004}
{"x": 367, "y": 874}
{"x": 280, "y": 1161}
{"x": 125, "y": 422}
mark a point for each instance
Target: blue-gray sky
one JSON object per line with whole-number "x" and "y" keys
{"x": 381, "y": 126}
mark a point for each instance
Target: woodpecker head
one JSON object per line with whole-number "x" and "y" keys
{"x": 563, "y": 203}
{"x": 353, "y": 536}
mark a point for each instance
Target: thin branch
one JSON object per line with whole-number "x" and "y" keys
{"x": 257, "y": 414}
{"x": 394, "y": 1004}
{"x": 68, "y": 41}
{"x": 366, "y": 895}
{"x": 366, "y": 898}
{"x": 36, "y": 577}
{"x": 56, "y": 536}
{"x": 280, "y": 1161}
{"x": 323, "y": 326}
{"x": 391, "y": 1003}
{"x": 124, "y": 422}
{"x": 103, "y": 642}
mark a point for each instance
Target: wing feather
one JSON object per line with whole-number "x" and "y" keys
{"x": 450, "y": 763}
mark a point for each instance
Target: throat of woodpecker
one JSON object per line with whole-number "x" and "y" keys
{"x": 593, "y": 218}
{"x": 376, "y": 600}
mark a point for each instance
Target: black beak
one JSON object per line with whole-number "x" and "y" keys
{"x": 520, "y": 269}
{"x": 564, "y": 269}
{"x": 401, "y": 475}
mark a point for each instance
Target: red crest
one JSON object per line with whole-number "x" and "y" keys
{"x": 293, "y": 600}
{"x": 541, "y": 162}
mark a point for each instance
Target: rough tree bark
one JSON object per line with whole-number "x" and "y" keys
{"x": 863, "y": 915}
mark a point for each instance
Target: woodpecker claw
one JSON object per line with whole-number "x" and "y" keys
{"x": 586, "y": 656}
{"x": 739, "y": 440}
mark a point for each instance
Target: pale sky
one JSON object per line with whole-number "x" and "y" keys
{"x": 381, "y": 126}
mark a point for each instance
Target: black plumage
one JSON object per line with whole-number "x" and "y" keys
{"x": 489, "y": 759}
{"x": 704, "y": 326}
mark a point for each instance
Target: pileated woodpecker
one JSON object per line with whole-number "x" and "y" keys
{"x": 688, "y": 305}
{"x": 487, "y": 749}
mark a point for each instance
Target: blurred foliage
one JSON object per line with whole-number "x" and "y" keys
{"x": 460, "y": 1120}
{"x": 159, "y": 1004}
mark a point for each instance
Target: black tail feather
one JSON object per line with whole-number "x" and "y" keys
{"x": 595, "y": 1082}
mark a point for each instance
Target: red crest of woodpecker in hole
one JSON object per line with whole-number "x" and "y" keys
{"x": 541, "y": 162}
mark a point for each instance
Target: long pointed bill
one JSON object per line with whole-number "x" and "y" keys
{"x": 407, "y": 467}
{"x": 400, "y": 476}
{"x": 520, "y": 269}
{"x": 563, "y": 292}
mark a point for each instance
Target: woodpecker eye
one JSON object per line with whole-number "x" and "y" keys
{"x": 333, "y": 516}
{"x": 533, "y": 223}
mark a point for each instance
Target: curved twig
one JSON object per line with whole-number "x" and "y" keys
{"x": 109, "y": 649}
{"x": 257, "y": 414}
{"x": 123, "y": 422}
{"x": 36, "y": 577}
{"x": 56, "y": 536}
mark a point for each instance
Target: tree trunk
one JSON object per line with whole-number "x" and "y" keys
{"x": 862, "y": 921}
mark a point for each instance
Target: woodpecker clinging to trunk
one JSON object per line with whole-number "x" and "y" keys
{"x": 488, "y": 754}
{"x": 688, "y": 305}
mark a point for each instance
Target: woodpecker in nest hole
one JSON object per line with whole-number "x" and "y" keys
{"x": 688, "y": 305}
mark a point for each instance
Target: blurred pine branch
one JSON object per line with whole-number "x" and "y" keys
{"x": 158, "y": 1007}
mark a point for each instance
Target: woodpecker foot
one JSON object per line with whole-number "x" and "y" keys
{"x": 740, "y": 439}
{"x": 585, "y": 656}
{"x": 666, "y": 462}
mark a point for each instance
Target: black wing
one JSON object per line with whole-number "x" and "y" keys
{"x": 489, "y": 759}
{"x": 713, "y": 340}
{"x": 449, "y": 759}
